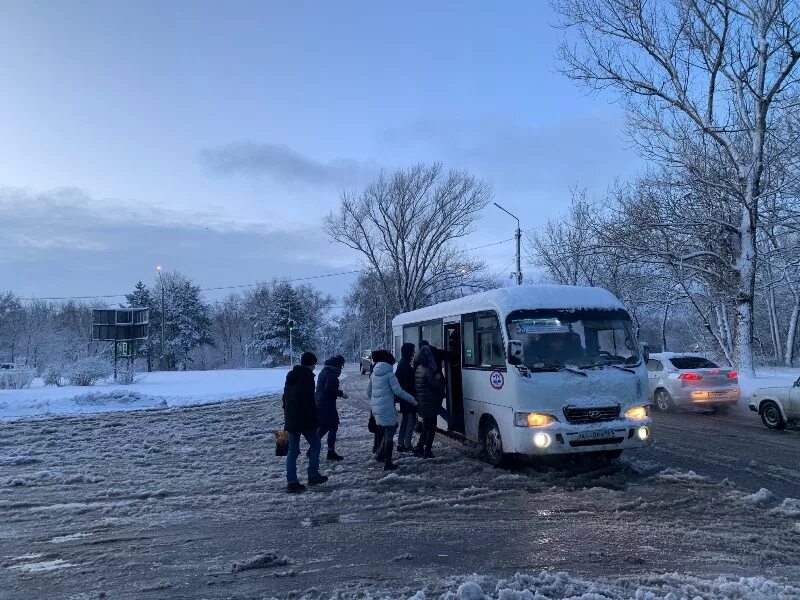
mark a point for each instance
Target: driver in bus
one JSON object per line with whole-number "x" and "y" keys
{"x": 564, "y": 348}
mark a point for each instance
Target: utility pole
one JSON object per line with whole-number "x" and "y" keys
{"x": 518, "y": 236}
{"x": 163, "y": 314}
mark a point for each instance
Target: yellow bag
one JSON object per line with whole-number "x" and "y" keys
{"x": 281, "y": 443}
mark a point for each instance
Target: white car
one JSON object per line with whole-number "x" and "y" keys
{"x": 778, "y": 406}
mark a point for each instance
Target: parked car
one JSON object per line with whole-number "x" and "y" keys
{"x": 777, "y": 406}
{"x": 7, "y": 366}
{"x": 366, "y": 364}
{"x": 689, "y": 380}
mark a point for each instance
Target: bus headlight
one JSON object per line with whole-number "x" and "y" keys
{"x": 637, "y": 413}
{"x": 533, "y": 419}
{"x": 541, "y": 440}
{"x": 643, "y": 433}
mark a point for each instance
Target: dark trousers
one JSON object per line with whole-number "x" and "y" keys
{"x": 377, "y": 441}
{"x": 331, "y": 429}
{"x": 388, "y": 444}
{"x": 425, "y": 443}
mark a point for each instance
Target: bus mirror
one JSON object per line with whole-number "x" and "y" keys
{"x": 645, "y": 351}
{"x": 515, "y": 352}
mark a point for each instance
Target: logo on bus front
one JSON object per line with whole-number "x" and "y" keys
{"x": 497, "y": 380}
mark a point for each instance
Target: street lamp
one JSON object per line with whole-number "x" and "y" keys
{"x": 163, "y": 314}
{"x": 518, "y": 235}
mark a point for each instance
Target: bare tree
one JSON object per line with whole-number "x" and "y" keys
{"x": 406, "y": 227}
{"x": 712, "y": 75}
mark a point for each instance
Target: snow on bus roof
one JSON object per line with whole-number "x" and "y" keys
{"x": 508, "y": 299}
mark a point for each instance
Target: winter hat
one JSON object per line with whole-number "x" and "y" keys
{"x": 308, "y": 359}
{"x": 341, "y": 360}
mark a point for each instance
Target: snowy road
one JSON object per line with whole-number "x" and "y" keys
{"x": 163, "y": 504}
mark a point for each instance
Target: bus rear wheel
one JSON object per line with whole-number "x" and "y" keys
{"x": 492, "y": 443}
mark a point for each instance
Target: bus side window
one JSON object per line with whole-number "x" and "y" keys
{"x": 490, "y": 342}
{"x": 468, "y": 337}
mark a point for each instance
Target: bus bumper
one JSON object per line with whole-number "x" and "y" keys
{"x": 601, "y": 437}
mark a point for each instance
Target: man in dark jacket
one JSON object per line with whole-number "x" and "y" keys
{"x": 327, "y": 393}
{"x": 429, "y": 393}
{"x": 300, "y": 419}
{"x": 405, "y": 375}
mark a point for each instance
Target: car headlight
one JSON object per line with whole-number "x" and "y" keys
{"x": 533, "y": 419}
{"x": 637, "y": 413}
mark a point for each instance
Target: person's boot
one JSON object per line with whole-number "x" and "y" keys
{"x": 418, "y": 452}
{"x": 403, "y": 448}
{"x": 295, "y": 487}
{"x": 333, "y": 456}
{"x": 389, "y": 466}
{"x": 317, "y": 479}
{"x": 428, "y": 454}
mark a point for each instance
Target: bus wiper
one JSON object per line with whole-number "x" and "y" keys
{"x": 575, "y": 370}
{"x": 557, "y": 366}
{"x": 621, "y": 368}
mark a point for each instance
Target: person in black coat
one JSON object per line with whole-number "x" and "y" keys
{"x": 300, "y": 419}
{"x": 327, "y": 393}
{"x": 405, "y": 375}
{"x": 429, "y": 394}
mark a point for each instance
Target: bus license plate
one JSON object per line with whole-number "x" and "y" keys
{"x": 595, "y": 435}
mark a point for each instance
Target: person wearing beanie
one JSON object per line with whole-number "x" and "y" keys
{"x": 405, "y": 375}
{"x": 300, "y": 419}
{"x": 383, "y": 387}
{"x": 327, "y": 393}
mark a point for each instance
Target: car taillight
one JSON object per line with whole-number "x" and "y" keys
{"x": 690, "y": 376}
{"x": 733, "y": 375}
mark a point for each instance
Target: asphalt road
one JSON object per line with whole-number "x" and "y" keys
{"x": 736, "y": 446}
{"x": 163, "y": 504}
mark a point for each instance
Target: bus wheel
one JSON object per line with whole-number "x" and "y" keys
{"x": 492, "y": 443}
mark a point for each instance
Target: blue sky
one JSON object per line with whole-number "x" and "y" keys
{"x": 213, "y": 137}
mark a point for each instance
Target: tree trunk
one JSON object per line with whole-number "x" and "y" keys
{"x": 774, "y": 325}
{"x": 664, "y": 329}
{"x": 791, "y": 334}
{"x": 746, "y": 287}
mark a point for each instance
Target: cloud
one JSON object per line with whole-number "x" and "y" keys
{"x": 67, "y": 243}
{"x": 69, "y": 204}
{"x": 283, "y": 164}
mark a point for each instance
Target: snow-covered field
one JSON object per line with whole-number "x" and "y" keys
{"x": 159, "y": 389}
{"x": 189, "y": 503}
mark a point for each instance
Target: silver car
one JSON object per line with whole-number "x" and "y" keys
{"x": 688, "y": 380}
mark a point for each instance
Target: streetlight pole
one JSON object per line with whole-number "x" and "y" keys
{"x": 163, "y": 315}
{"x": 518, "y": 236}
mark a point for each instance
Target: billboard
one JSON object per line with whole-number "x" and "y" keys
{"x": 120, "y": 324}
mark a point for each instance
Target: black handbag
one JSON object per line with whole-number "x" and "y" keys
{"x": 372, "y": 425}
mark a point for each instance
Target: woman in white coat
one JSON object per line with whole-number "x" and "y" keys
{"x": 383, "y": 388}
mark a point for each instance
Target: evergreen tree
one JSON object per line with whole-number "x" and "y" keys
{"x": 141, "y": 298}
{"x": 187, "y": 319}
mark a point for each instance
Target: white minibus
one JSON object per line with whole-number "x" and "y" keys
{"x": 537, "y": 370}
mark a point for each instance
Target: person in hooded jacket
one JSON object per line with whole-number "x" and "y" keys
{"x": 405, "y": 376}
{"x": 383, "y": 387}
{"x": 430, "y": 392}
{"x": 327, "y": 393}
{"x": 300, "y": 419}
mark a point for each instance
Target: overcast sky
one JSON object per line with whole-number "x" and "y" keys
{"x": 212, "y": 137}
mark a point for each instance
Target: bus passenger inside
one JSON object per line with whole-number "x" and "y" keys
{"x": 557, "y": 349}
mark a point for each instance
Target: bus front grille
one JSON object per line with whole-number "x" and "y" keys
{"x": 594, "y": 414}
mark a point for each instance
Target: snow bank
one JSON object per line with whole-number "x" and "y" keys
{"x": 154, "y": 390}
{"x": 561, "y": 586}
{"x": 767, "y": 377}
{"x": 762, "y": 496}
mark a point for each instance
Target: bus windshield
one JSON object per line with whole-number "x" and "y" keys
{"x": 554, "y": 339}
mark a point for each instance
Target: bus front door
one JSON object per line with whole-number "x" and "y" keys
{"x": 455, "y": 395}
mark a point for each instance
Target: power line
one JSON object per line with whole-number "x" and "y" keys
{"x": 248, "y": 285}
